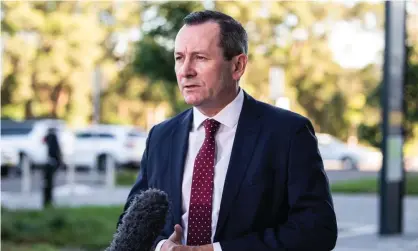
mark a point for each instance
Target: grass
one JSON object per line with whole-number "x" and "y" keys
{"x": 89, "y": 228}
{"x": 56, "y": 229}
{"x": 126, "y": 177}
{"x": 9, "y": 246}
{"x": 372, "y": 185}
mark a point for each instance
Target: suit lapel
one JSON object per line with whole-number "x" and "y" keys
{"x": 244, "y": 143}
{"x": 179, "y": 145}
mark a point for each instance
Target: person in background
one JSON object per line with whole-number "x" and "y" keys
{"x": 54, "y": 162}
{"x": 241, "y": 175}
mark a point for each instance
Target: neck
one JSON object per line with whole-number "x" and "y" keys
{"x": 211, "y": 110}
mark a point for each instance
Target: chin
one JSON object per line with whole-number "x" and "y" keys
{"x": 193, "y": 102}
{"x": 190, "y": 100}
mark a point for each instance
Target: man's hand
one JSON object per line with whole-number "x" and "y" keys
{"x": 208, "y": 247}
{"x": 173, "y": 243}
{"x": 183, "y": 248}
{"x": 174, "y": 240}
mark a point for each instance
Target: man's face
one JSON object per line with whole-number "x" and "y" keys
{"x": 203, "y": 75}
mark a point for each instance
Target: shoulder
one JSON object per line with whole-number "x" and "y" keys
{"x": 284, "y": 126}
{"x": 282, "y": 118}
{"x": 166, "y": 127}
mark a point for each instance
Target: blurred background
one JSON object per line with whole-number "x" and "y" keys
{"x": 102, "y": 74}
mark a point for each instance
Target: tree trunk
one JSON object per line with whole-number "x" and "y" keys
{"x": 56, "y": 97}
{"x": 28, "y": 105}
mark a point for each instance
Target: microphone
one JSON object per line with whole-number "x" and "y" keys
{"x": 142, "y": 223}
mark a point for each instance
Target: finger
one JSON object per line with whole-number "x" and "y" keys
{"x": 178, "y": 229}
{"x": 176, "y": 235}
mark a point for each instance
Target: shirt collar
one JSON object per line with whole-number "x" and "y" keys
{"x": 228, "y": 116}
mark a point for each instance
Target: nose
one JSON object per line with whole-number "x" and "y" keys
{"x": 187, "y": 69}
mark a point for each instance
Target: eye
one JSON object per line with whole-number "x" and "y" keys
{"x": 200, "y": 58}
{"x": 177, "y": 58}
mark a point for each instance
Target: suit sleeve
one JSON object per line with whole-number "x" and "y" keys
{"x": 311, "y": 222}
{"x": 141, "y": 184}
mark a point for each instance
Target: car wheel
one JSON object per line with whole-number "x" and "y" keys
{"x": 348, "y": 164}
{"x": 5, "y": 171}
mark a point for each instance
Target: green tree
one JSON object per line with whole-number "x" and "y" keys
{"x": 53, "y": 48}
{"x": 50, "y": 49}
{"x": 371, "y": 130}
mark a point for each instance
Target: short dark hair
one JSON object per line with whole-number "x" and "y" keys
{"x": 233, "y": 37}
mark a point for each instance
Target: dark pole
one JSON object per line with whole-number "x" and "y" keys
{"x": 48, "y": 184}
{"x": 392, "y": 174}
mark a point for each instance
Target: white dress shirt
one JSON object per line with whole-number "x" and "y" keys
{"x": 228, "y": 118}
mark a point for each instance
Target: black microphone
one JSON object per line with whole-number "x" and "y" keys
{"x": 142, "y": 222}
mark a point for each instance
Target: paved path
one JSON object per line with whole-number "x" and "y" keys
{"x": 13, "y": 183}
{"x": 81, "y": 194}
{"x": 358, "y": 218}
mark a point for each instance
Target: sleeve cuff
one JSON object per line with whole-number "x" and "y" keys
{"x": 159, "y": 245}
{"x": 217, "y": 246}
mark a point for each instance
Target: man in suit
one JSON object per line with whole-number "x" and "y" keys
{"x": 240, "y": 174}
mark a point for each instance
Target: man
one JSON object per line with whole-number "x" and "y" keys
{"x": 54, "y": 161}
{"x": 240, "y": 174}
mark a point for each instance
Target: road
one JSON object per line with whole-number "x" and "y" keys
{"x": 13, "y": 184}
{"x": 341, "y": 175}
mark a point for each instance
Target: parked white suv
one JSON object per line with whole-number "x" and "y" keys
{"x": 9, "y": 158}
{"x": 28, "y": 138}
{"x": 123, "y": 144}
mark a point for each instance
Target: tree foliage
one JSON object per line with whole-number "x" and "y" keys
{"x": 52, "y": 49}
{"x": 371, "y": 130}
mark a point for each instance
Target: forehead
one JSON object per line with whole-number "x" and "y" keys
{"x": 199, "y": 37}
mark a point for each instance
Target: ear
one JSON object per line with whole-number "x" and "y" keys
{"x": 239, "y": 65}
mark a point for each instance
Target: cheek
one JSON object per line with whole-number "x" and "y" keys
{"x": 176, "y": 72}
{"x": 223, "y": 78}
{"x": 212, "y": 76}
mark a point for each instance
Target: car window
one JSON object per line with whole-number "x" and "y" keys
{"x": 83, "y": 135}
{"x": 105, "y": 136}
{"x": 15, "y": 131}
{"x": 136, "y": 134}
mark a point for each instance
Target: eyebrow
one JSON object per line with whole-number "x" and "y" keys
{"x": 193, "y": 53}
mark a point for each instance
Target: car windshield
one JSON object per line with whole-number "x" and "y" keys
{"x": 136, "y": 134}
{"x": 83, "y": 134}
{"x": 328, "y": 140}
{"x": 15, "y": 131}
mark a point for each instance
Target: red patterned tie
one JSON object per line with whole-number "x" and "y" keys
{"x": 200, "y": 208}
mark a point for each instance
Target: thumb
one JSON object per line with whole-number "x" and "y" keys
{"x": 176, "y": 236}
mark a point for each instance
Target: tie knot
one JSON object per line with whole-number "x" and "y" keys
{"x": 211, "y": 126}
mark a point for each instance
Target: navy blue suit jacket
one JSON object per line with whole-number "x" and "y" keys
{"x": 276, "y": 194}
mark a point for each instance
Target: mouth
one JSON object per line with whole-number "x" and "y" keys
{"x": 189, "y": 87}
